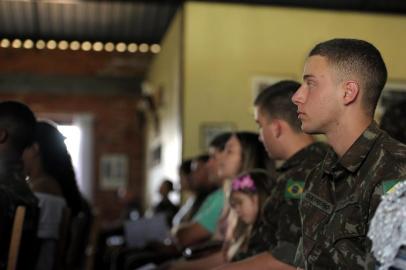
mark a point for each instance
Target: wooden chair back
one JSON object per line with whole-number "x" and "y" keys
{"x": 16, "y": 234}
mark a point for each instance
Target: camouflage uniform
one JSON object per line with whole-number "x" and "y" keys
{"x": 281, "y": 208}
{"x": 259, "y": 240}
{"x": 340, "y": 198}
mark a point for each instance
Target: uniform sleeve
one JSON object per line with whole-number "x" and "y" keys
{"x": 288, "y": 230}
{"x": 209, "y": 213}
{"x": 288, "y": 233}
{"x": 380, "y": 190}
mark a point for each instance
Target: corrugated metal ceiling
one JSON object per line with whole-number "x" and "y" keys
{"x": 130, "y": 21}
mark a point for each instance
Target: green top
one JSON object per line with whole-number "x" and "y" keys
{"x": 210, "y": 211}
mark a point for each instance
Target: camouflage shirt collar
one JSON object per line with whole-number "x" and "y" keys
{"x": 355, "y": 156}
{"x": 299, "y": 156}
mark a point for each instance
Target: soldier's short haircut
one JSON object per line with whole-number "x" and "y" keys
{"x": 356, "y": 59}
{"x": 20, "y": 123}
{"x": 275, "y": 101}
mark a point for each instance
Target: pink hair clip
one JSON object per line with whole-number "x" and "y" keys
{"x": 243, "y": 183}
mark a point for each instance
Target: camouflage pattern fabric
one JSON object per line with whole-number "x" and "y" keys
{"x": 260, "y": 239}
{"x": 340, "y": 198}
{"x": 281, "y": 210}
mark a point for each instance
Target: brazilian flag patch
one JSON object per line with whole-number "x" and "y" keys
{"x": 389, "y": 186}
{"x": 294, "y": 189}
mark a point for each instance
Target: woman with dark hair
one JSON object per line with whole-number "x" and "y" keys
{"x": 53, "y": 162}
{"x": 243, "y": 152}
{"x": 49, "y": 168}
{"x": 254, "y": 154}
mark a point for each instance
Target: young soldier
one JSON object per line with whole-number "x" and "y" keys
{"x": 282, "y": 137}
{"x": 343, "y": 79}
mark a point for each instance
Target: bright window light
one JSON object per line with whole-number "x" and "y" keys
{"x": 73, "y": 140}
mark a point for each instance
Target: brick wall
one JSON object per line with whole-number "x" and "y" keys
{"x": 117, "y": 125}
{"x": 51, "y": 62}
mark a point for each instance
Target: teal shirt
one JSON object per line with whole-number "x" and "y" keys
{"x": 210, "y": 211}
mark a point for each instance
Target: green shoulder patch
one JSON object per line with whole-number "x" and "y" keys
{"x": 294, "y": 189}
{"x": 389, "y": 186}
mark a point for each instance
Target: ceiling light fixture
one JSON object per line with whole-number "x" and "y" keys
{"x": 144, "y": 48}
{"x": 5, "y": 43}
{"x": 16, "y": 44}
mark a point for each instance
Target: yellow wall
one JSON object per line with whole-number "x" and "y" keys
{"x": 165, "y": 73}
{"x": 226, "y": 45}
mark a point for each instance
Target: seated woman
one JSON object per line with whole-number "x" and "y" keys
{"x": 251, "y": 235}
{"x": 48, "y": 166}
{"x": 243, "y": 152}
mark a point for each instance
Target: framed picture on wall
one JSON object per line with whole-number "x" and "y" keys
{"x": 208, "y": 131}
{"x": 261, "y": 82}
{"x": 113, "y": 171}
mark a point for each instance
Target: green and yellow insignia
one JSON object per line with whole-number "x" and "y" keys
{"x": 294, "y": 189}
{"x": 389, "y": 186}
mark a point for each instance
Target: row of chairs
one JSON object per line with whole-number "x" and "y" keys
{"x": 16, "y": 234}
{"x": 62, "y": 246}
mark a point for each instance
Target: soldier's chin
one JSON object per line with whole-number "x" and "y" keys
{"x": 309, "y": 130}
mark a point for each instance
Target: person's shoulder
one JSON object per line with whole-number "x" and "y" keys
{"x": 320, "y": 147}
{"x": 15, "y": 196}
{"x": 389, "y": 155}
{"x": 311, "y": 162}
{"x": 5, "y": 195}
{"x": 217, "y": 194}
{"x": 50, "y": 198}
{"x": 392, "y": 148}
{"x": 388, "y": 164}
{"x": 315, "y": 154}
{"x": 214, "y": 196}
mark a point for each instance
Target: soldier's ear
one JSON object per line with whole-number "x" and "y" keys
{"x": 276, "y": 128}
{"x": 3, "y": 135}
{"x": 351, "y": 92}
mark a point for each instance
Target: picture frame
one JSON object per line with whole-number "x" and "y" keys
{"x": 113, "y": 171}
{"x": 208, "y": 131}
{"x": 260, "y": 82}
